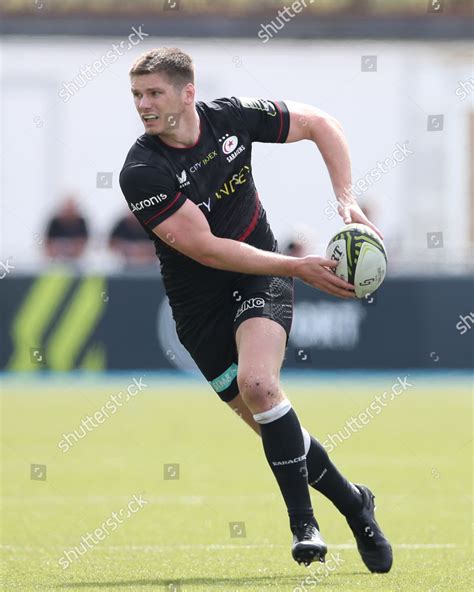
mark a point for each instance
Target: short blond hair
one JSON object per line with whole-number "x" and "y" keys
{"x": 176, "y": 65}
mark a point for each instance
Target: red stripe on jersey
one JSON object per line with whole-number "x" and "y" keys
{"x": 253, "y": 222}
{"x": 281, "y": 121}
{"x": 164, "y": 210}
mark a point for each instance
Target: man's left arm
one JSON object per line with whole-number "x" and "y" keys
{"x": 310, "y": 123}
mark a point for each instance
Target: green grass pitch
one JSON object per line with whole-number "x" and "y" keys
{"x": 222, "y": 525}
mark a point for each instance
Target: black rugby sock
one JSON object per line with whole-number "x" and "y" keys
{"x": 284, "y": 448}
{"x": 324, "y": 476}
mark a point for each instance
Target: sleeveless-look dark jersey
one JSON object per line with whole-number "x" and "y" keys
{"x": 216, "y": 175}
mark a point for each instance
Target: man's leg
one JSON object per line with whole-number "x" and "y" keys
{"x": 261, "y": 346}
{"x": 373, "y": 546}
{"x": 323, "y": 475}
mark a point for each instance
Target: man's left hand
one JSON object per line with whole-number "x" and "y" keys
{"x": 351, "y": 213}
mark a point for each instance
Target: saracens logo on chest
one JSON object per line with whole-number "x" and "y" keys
{"x": 230, "y": 147}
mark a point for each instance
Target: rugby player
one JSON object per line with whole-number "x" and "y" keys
{"x": 189, "y": 182}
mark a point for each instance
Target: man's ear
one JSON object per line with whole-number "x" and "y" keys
{"x": 189, "y": 92}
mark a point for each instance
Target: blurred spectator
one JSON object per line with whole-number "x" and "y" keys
{"x": 300, "y": 241}
{"x": 295, "y": 248}
{"x": 131, "y": 243}
{"x": 67, "y": 233}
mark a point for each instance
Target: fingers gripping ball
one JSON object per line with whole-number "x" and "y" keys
{"x": 362, "y": 258}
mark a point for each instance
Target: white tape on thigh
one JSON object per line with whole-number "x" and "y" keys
{"x": 273, "y": 414}
{"x": 307, "y": 440}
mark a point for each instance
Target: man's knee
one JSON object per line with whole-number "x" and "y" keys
{"x": 259, "y": 391}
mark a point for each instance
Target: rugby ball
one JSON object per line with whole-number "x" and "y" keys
{"x": 362, "y": 258}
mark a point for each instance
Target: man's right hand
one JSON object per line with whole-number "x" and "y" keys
{"x": 316, "y": 271}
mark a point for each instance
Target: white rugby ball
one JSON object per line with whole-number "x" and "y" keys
{"x": 362, "y": 258}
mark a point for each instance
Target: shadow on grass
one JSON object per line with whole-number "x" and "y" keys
{"x": 176, "y": 585}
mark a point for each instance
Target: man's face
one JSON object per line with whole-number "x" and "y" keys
{"x": 158, "y": 102}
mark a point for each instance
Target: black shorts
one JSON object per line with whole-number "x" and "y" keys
{"x": 209, "y": 336}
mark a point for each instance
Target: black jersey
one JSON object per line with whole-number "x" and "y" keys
{"x": 215, "y": 174}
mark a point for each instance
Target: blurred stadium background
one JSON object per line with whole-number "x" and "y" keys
{"x": 84, "y": 311}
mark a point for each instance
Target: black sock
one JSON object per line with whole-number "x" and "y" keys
{"x": 284, "y": 448}
{"x": 324, "y": 476}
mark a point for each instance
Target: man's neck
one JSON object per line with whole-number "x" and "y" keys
{"x": 187, "y": 132}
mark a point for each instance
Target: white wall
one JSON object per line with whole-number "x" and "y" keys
{"x": 49, "y": 146}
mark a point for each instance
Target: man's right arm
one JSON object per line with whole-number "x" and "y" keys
{"x": 188, "y": 231}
